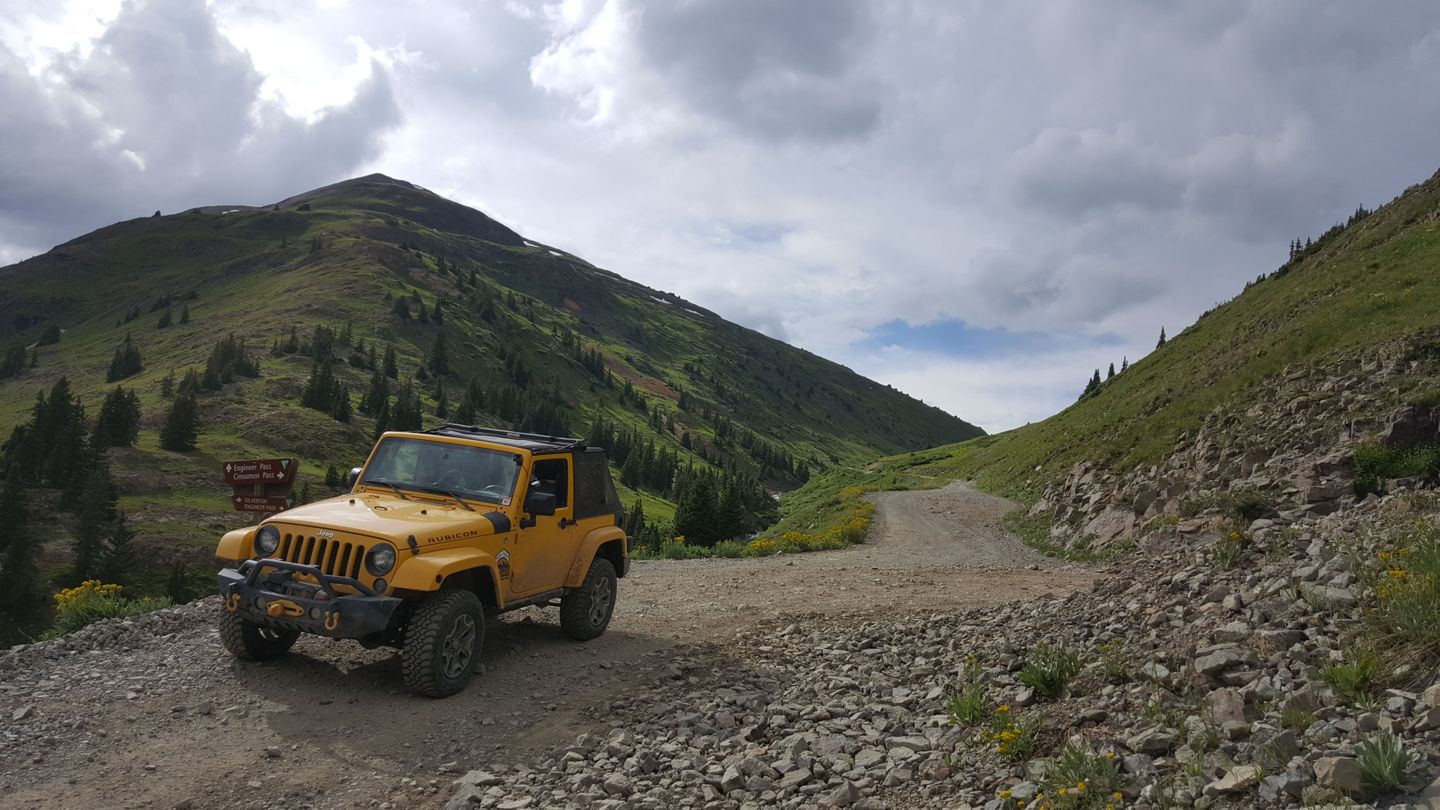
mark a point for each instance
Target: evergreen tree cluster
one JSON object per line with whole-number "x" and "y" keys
{"x": 13, "y": 363}
{"x": 325, "y": 393}
{"x": 126, "y": 362}
{"x": 228, "y": 359}
{"x": 711, "y": 506}
{"x": 533, "y": 411}
{"x": 118, "y": 424}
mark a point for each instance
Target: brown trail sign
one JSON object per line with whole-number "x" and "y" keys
{"x": 261, "y": 486}
{"x": 261, "y": 471}
{"x": 261, "y": 504}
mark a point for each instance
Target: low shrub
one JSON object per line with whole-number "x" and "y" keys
{"x": 1114, "y": 662}
{"x": 1231, "y": 547}
{"x": 1048, "y": 669}
{"x": 92, "y": 600}
{"x": 1385, "y": 763}
{"x": 1014, "y": 737}
{"x": 761, "y": 548}
{"x": 728, "y": 548}
{"x": 1355, "y": 681}
{"x": 1406, "y": 581}
{"x": 1376, "y": 462}
{"x": 1077, "y": 779}
{"x": 968, "y": 706}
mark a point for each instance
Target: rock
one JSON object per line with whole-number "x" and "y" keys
{"x": 1220, "y": 659}
{"x": 1327, "y": 597}
{"x": 1235, "y": 780}
{"x": 1429, "y": 720}
{"x": 1156, "y": 740}
{"x": 1155, "y": 671}
{"x": 934, "y": 770}
{"x": 1290, "y": 783}
{"x": 869, "y": 758}
{"x": 1339, "y": 773}
{"x": 844, "y": 795}
{"x": 1226, "y": 706}
{"x": 22, "y": 713}
{"x": 1233, "y": 632}
{"x": 516, "y": 804}
{"x": 1275, "y": 641}
{"x": 732, "y": 779}
{"x": 1431, "y": 696}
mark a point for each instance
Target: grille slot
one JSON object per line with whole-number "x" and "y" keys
{"x": 333, "y": 556}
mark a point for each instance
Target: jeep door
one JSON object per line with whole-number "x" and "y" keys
{"x": 548, "y": 546}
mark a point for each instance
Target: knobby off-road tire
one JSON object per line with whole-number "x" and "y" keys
{"x": 254, "y": 642}
{"x": 585, "y": 612}
{"x": 442, "y": 643}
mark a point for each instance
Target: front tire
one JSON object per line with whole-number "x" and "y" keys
{"x": 442, "y": 642}
{"x": 254, "y": 642}
{"x": 585, "y": 612}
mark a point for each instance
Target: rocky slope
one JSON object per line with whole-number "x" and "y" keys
{"x": 1217, "y": 700}
{"x": 1286, "y": 451}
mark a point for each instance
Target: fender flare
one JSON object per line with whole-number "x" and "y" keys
{"x": 425, "y": 572}
{"x": 594, "y": 539}
{"x": 237, "y": 545}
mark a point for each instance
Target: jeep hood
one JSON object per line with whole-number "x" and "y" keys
{"x": 433, "y": 523}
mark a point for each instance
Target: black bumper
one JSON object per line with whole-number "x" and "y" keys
{"x": 267, "y": 593}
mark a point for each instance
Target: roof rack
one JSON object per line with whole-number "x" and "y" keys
{"x": 510, "y": 436}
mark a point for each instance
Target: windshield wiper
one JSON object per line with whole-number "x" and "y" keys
{"x": 390, "y": 484}
{"x": 441, "y": 491}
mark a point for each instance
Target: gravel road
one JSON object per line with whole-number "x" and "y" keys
{"x": 164, "y": 718}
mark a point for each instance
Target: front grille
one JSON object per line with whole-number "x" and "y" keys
{"x": 333, "y": 556}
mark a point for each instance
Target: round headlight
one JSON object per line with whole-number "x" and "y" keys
{"x": 380, "y": 559}
{"x": 267, "y": 540}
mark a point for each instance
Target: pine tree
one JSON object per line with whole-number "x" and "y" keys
{"x": 182, "y": 424}
{"x": 185, "y": 315}
{"x": 126, "y": 362}
{"x": 731, "y": 516}
{"x": 1162, "y": 338}
{"x": 20, "y": 599}
{"x": 695, "y": 516}
{"x": 1111, "y": 372}
{"x": 118, "y": 424}
{"x": 332, "y": 477}
{"x": 440, "y": 354}
{"x": 340, "y": 410}
{"x": 379, "y": 392}
{"x": 635, "y": 519}
{"x": 392, "y": 369}
{"x": 177, "y": 584}
{"x": 1124, "y": 364}
{"x": 442, "y": 403}
{"x": 166, "y": 318}
{"x": 119, "y": 555}
{"x": 167, "y": 385}
{"x": 382, "y": 417}
{"x": 97, "y": 515}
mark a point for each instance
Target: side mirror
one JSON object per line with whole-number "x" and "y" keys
{"x": 540, "y": 503}
{"x": 352, "y": 476}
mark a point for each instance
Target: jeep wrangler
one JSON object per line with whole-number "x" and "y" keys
{"x": 439, "y": 529}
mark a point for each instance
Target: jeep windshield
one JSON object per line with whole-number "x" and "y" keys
{"x": 443, "y": 468}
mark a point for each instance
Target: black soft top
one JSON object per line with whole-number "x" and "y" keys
{"x": 533, "y": 442}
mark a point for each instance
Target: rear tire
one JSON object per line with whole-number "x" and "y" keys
{"x": 254, "y": 642}
{"x": 585, "y": 612}
{"x": 442, "y": 642}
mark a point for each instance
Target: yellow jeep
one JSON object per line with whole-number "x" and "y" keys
{"x": 438, "y": 529}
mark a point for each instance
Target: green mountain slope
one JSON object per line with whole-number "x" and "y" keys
{"x": 538, "y": 337}
{"x": 1372, "y": 280}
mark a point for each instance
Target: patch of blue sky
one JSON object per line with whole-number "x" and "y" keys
{"x": 957, "y": 339}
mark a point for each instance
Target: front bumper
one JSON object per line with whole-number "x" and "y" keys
{"x": 266, "y": 592}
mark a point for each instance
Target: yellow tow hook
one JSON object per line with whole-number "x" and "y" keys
{"x": 284, "y": 607}
{"x": 332, "y": 620}
{"x": 232, "y": 602}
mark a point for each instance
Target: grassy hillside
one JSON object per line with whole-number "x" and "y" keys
{"x": 1374, "y": 279}
{"x": 516, "y": 317}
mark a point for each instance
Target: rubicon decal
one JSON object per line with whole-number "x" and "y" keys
{"x": 447, "y": 538}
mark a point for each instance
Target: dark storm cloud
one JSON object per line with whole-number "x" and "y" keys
{"x": 163, "y": 113}
{"x": 795, "y": 69}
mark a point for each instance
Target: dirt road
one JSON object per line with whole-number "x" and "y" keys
{"x": 175, "y": 722}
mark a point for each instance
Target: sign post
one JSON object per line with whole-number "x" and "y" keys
{"x": 261, "y": 486}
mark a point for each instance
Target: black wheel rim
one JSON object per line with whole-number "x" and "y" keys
{"x": 458, "y": 646}
{"x": 602, "y": 599}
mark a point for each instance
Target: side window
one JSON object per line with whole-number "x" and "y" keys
{"x": 552, "y": 473}
{"x": 594, "y": 493}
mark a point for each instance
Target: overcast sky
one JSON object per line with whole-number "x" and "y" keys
{"x": 978, "y": 202}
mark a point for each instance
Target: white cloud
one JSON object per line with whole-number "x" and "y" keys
{"x": 811, "y": 168}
